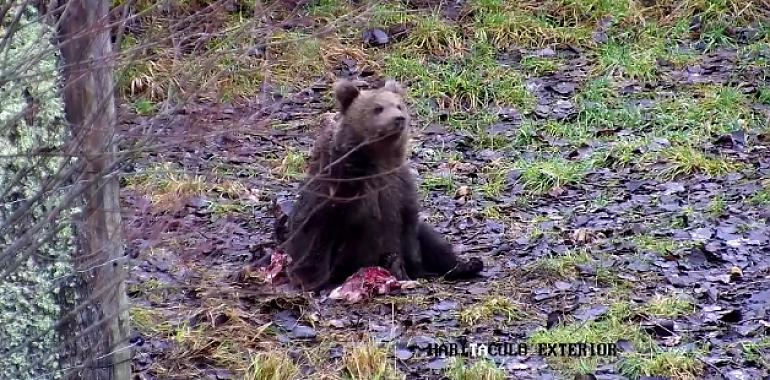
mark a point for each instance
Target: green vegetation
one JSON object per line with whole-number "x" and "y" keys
{"x": 480, "y": 370}
{"x": 488, "y": 308}
{"x": 616, "y": 325}
{"x": 544, "y": 175}
{"x": 660, "y": 245}
{"x": 567, "y": 267}
{"x": 369, "y": 361}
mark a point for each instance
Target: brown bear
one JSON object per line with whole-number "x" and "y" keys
{"x": 359, "y": 207}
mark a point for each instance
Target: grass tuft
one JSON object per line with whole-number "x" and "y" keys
{"x": 686, "y": 160}
{"x": 544, "y": 175}
{"x": 668, "y": 306}
{"x": 432, "y": 35}
{"x": 272, "y": 366}
{"x": 675, "y": 364}
{"x": 368, "y": 361}
{"x": 660, "y": 245}
{"x": 488, "y": 308}
{"x": 480, "y": 370}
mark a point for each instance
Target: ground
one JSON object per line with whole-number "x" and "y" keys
{"x": 608, "y": 161}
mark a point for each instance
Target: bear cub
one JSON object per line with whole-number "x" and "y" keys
{"x": 359, "y": 205}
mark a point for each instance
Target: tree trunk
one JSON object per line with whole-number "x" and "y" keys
{"x": 89, "y": 105}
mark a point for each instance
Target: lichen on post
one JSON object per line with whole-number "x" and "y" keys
{"x": 31, "y": 122}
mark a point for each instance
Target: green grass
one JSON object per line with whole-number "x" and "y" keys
{"x": 761, "y": 197}
{"x": 432, "y": 35}
{"x": 272, "y": 365}
{"x": 660, "y": 245}
{"x": 470, "y": 83}
{"x": 617, "y": 325}
{"x": 756, "y": 352}
{"x": 566, "y": 266}
{"x": 625, "y": 152}
{"x": 611, "y": 329}
{"x": 763, "y": 95}
{"x": 684, "y": 160}
{"x": 586, "y": 11}
{"x": 717, "y": 207}
{"x": 674, "y": 363}
{"x": 631, "y": 62}
{"x": 575, "y": 133}
{"x": 388, "y": 14}
{"x": 145, "y": 107}
{"x": 543, "y": 175}
{"x": 367, "y": 360}
{"x": 439, "y": 182}
{"x": 671, "y": 306}
{"x": 328, "y": 9}
{"x": 505, "y": 28}
{"x": 539, "y": 66}
{"x": 715, "y": 110}
{"x": 292, "y": 164}
{"x": 482, "y": 369}
{"x": 495, "y": 179}
{"x": 488, "y": 308}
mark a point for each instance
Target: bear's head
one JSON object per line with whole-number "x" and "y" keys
{"x": 377, "y": 118}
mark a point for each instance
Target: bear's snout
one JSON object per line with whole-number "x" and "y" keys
{"x": 399, "y": 122}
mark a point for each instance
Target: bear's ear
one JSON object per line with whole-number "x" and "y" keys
{"x": 346, "y": 92}
{"x": 393, "y": 86}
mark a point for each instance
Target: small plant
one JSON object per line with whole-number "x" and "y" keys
{"x": 539, "y": 66}
{"x": 574, "y": 132}
{"x": 328, "y": 9}
{"x": 491, "y": 212}
{"x": 368, "y": 361}
{"x": 668, "y": 306}
{"x": 763, "y": 95}
{"x": 480, "y": 370}
{"x": 505, "y": 28}
{"x": 611, "y": 328}
{"x": 761, "y": 197}
{"x": 495, "y": 179}
{"x": 675, "y": 364}
{"x": 753, "y": 352}
{"x": 145, "y": 107}
{"x": 387, "y": 14}
{"x": 272, "y": 366}
{"x": 441, "y": 182}
{"x": 629, "y": 62}
{"x": 717, "y": 206}
{"x": 685, "y": 160}
{"x": 292, "y": 165}
{"x": 434, "y": 36}
{"x": 491, "y": 306}
{"x": 543, "y": 175}
{"x": 625, "y": 152}
{"x": 564, "y": 265}
{"x": 660, "y": 245}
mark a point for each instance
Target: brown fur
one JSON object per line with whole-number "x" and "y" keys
{"x": 359, "y": 205}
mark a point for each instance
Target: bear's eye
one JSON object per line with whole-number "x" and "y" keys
{"x": 378, "y": 109}
{"x": 400, "y": 107}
